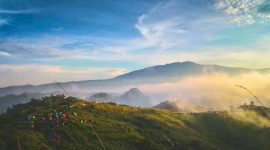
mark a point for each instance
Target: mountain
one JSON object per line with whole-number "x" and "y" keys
{"x": 180, "y": 106}
{"x": 155, "y": 74}
{"x": 84, "y": 125}
{"x": 134, "y": 97}
{"x": 181, "y": 69}
{"x": 12, "y": 99}
{"x": 102, "y": 97}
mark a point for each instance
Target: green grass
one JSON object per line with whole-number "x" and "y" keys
{"x": 126, "y": 128}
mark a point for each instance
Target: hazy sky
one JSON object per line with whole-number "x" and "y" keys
{"x": 46, "y": 40}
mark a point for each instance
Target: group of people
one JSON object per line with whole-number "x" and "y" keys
{"x": 48, "y": 123}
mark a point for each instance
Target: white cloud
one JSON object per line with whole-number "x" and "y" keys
{"x": 161, "y": 33}
{"x": 163, "y": 26}
{"x": 6, "y": 11}
{"x": 2, "y": 53}
{"x": 47, "y": 74}
{"x": 33, "y": 48}
{"x": 171, "y": 26}
{"x": 12, "y": 12}
{"x": 168, "y": 34}
{"x": 3, "y": 22}
{"x": 243, "y": 12}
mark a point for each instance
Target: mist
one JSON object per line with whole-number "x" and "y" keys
{"x": 214, "y": 90}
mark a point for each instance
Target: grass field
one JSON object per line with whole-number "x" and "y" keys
{"x": 123, "y": 128}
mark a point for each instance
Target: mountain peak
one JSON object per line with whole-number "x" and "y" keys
{"x": 102, "y": 96}
{"x": 134, "y": 90}
{"x": 183, "y": 63}
{"x": 134, "y": 97}
{"x": 134, "y": 93}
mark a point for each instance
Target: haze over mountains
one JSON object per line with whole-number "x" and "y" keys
{"x": 132, "y": 97}
{"x": 12, "y": 99}
{"x": 183, "y": 95}
{"x": 155, "y": 74}
{"x": 180, "y": 106}
{"x": 199, "y": 85}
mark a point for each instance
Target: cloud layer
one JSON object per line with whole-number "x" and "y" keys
{"x": 157, "y": 31}
{"x": 245, "y": 12}
{"x": 39, "y": 74}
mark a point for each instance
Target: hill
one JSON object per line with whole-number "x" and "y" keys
{"x": 180, "y": 106}
{"x": 133, "y": 97}
{"x": 101, "y": 97}
{"x": 57, "y": 122}
{"x": 12, "y": 99}
{"x": 155, "y": 74}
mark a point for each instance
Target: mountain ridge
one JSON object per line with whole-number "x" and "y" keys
{"x": 66, "y": 82}
{"x": 154, "y": 74}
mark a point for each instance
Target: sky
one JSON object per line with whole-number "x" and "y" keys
{"x": 65, "y": 40}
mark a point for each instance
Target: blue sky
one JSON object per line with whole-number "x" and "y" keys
{"x": 95, "y": 39}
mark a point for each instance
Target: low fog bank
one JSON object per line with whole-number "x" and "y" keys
{"x": 250, "y": 117}
{"x": 217, "y": 90}
{"x": 213, "y": 91}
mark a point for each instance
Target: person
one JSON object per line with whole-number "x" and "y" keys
{"x": 252, "y": 103}
{"x": 29, "y": 118}
{"x": 32, "y": 126}
{"x": 63, "y": 116}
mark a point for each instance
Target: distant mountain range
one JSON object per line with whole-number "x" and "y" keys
{"x": 155, "y": 74}
{"x": 133, "y": 97}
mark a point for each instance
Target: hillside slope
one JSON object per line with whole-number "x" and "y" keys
{"x": 180, "y": 106}
{"x": 35, "y": 125}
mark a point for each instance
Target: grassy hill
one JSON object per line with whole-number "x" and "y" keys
{"x": 57, "y": 122}
{"x": 180, "y": 106}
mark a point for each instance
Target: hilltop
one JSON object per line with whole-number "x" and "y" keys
{"x": 180, "y": 106}
{"x": 57, "y": 122}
